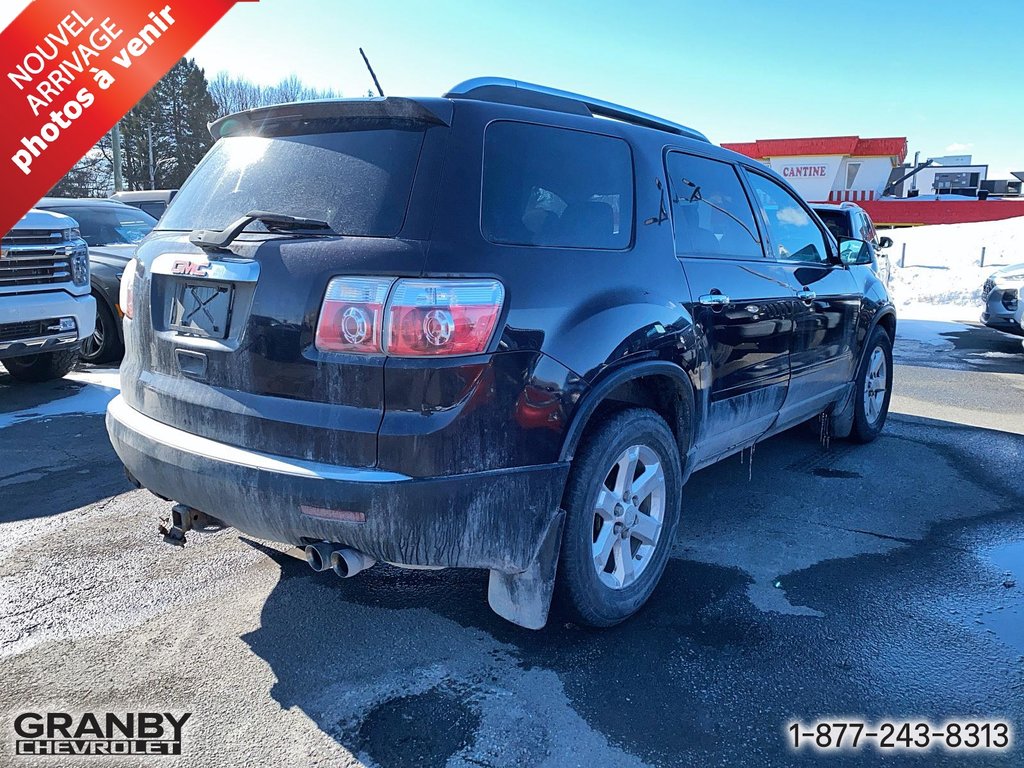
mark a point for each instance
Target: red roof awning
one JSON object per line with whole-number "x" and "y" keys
{"x": 895, "y": 147}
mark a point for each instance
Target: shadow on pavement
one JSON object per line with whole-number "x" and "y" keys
{"x": 21, "y": 396}
{"x": 980, "y": 348}
{"x": 51, "y": 466}
{"x": 700, "y": 676}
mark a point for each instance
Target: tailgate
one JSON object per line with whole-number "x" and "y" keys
{"x": 224, "y": 348}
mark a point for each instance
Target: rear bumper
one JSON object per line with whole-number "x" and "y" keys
{"x": 494, "y": 520}
{"x": 24, "y": 308}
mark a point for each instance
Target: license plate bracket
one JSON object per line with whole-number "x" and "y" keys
{"x": 202, "y": 309}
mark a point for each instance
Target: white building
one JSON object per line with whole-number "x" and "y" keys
{"x": 830, "y": 168}
{"x": 950, "y": 175}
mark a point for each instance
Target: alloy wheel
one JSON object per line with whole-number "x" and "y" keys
{"x": 876, "y": 382}
{"x": 628, "y": 516}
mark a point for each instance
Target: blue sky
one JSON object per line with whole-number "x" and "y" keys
{"x": 947, "y": 75}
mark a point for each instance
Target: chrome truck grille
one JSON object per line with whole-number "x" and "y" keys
{"x": 35, "y": 257}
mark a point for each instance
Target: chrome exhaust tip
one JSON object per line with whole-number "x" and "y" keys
{"x": 347, "y": 562}
{"x": 319, "y": 555}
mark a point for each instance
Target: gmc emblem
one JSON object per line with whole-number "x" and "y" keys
{"x": 190, "y": 268}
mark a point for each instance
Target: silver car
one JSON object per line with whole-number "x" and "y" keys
{"x": 1001, "y": 295}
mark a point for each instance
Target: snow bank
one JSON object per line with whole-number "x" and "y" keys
{"x": 942, "y": 275}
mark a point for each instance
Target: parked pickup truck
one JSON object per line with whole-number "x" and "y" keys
{"x": 46, "y": 309}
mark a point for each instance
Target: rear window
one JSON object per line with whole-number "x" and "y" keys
{"x": 838, "y": 222}
{"x": 555, "y": 187}
{"x": 357, "y": 178}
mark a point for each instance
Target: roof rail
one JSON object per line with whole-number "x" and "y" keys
{"x": 505, "y": 91}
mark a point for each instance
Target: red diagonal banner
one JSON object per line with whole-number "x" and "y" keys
{"x": 70, "y": 69}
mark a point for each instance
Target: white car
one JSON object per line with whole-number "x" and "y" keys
{"x": 1002, "y": 297}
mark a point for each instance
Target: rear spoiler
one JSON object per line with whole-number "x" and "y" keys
{"x": 253, "y": 121}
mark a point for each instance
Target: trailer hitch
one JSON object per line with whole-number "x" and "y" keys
{"x": 184, "y": 519}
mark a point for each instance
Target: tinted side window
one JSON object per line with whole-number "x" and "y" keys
{"x": 792, "y": 229}
{"x": 556, "y": 187}
{"x": 867, "y": 229}
{"x": 711, "y": 212}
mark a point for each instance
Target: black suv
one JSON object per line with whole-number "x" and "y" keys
{"x": 490, "y": 330}
{"x": 846, "y": 220}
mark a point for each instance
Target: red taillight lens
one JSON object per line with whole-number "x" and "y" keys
{"x": 352, "y": 314}
{"x": 442, "y": 317}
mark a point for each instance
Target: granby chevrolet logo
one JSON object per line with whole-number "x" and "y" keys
{"x": 804, "y": 171}
{"x": 91, "y": 733}
{"x": 190, "y": 268}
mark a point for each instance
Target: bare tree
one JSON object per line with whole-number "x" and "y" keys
{"x": 237, "y": 94}
{"x": 92, "y": 176}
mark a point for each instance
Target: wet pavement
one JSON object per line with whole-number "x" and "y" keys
{"x": 881, "y": 582}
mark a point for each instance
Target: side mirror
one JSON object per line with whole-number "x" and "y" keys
{"x": 885, "y": 242}
{"x": 853, "y": 251}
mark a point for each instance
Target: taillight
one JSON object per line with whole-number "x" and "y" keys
{"x": 442, "y": 317}
{"x": 419, "y": 317}
{"x": 352, "y": 314}
{"x": 126, "y": 290}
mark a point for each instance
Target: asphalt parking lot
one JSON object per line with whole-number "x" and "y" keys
{"x": 880, "y": 582}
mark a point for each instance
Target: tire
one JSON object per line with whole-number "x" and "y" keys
{"x": 104, "y": 345}
{"x": 873, "y": 391}
{"x": 602, "y": 598}
{"x": 42, "y": 367}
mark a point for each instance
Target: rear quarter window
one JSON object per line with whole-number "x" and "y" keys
{"x": 556, "y": 187}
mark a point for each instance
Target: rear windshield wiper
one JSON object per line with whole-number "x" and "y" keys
{"x": 214, "y": 239}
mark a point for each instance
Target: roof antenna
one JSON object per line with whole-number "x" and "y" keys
{"x": 372, "y": 74}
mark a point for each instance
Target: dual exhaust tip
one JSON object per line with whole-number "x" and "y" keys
{"x": 344, "y": 561}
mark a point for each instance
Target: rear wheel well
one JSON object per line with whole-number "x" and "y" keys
{"x": 888, "y": 324}
{"x": 658, "y": 392}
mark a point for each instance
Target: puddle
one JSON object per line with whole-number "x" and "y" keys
{"x": 1009, "y": 557}
{"x": 1008, "y": 621}
{"x": 424, "y": 730}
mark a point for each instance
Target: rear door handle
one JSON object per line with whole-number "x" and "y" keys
{"x": 714, "y": 300}
{"x": 806, "y": 295}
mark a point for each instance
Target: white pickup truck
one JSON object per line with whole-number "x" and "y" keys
{"x": 46, "y": 309}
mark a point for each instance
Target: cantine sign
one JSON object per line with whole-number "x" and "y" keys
{"x": 804, "y": 171}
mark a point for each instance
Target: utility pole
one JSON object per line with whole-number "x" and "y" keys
{"x": 152, "y": 170}
{"x": 115, "y": 145}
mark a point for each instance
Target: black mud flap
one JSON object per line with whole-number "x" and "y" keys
{"x": 841, "y": 418}
{"x": 525, "y": 598}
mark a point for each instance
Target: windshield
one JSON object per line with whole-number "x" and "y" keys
{"x": 357, "y": 179}
{"x": 110, "y": 225}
